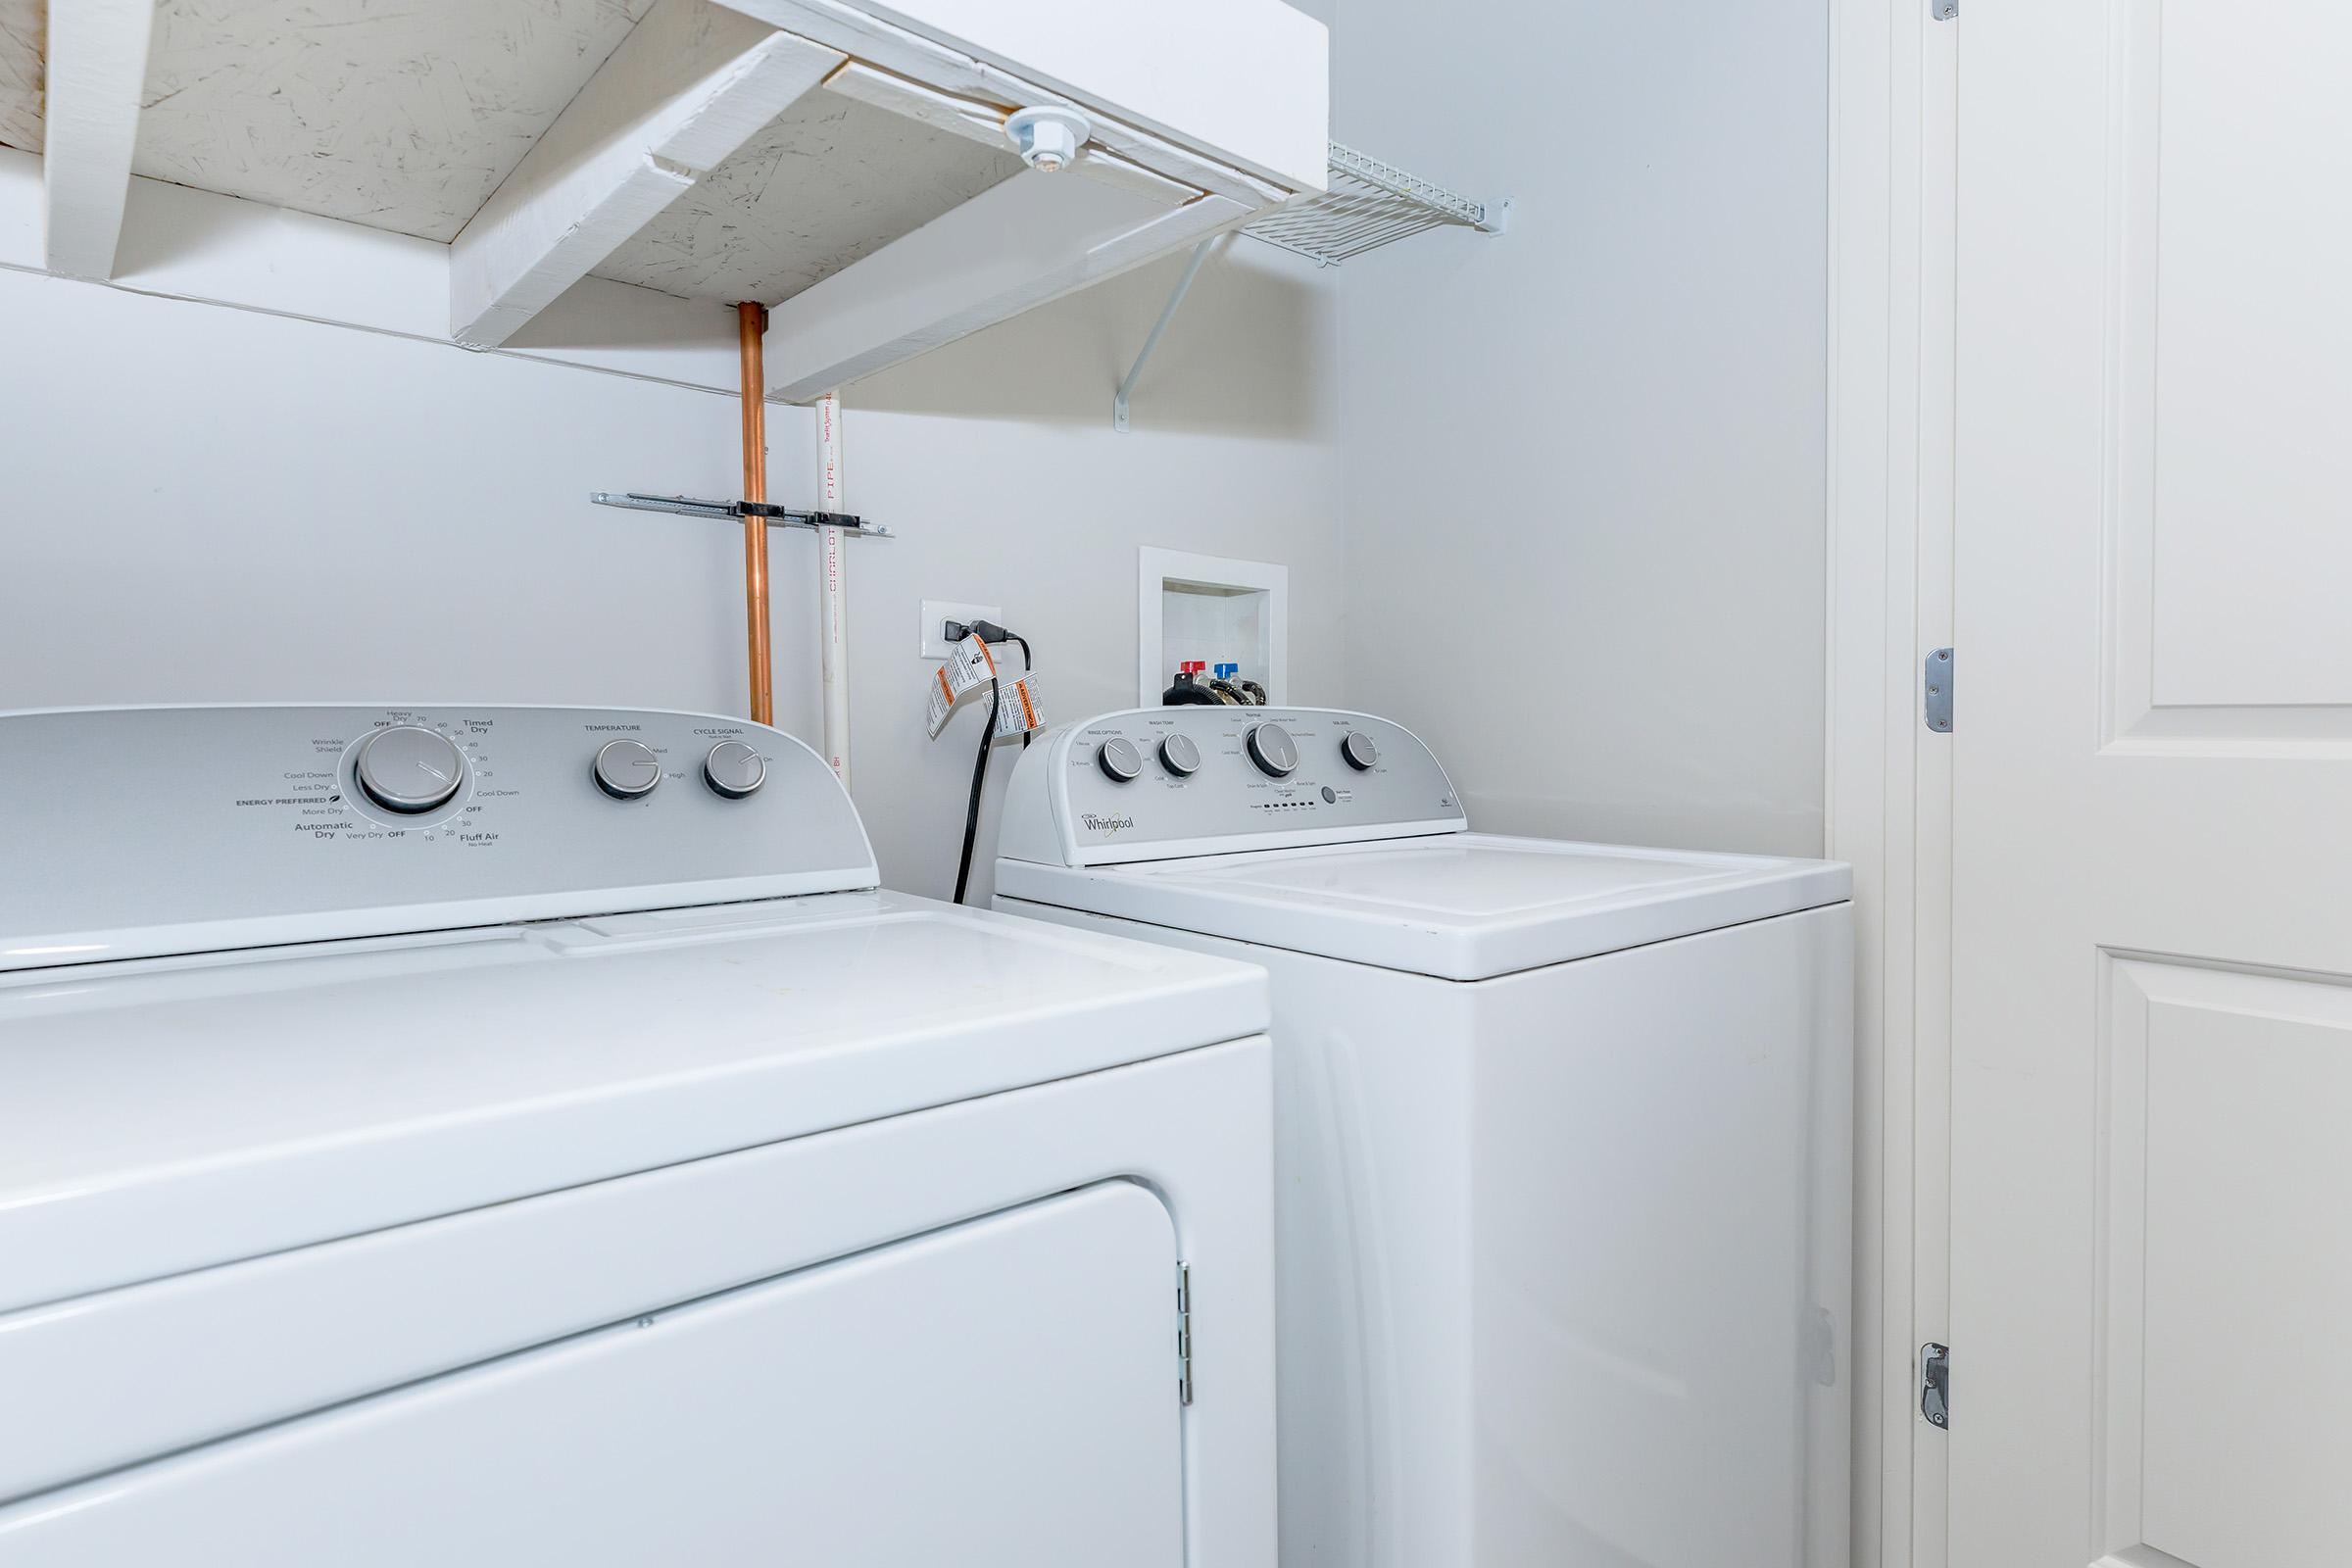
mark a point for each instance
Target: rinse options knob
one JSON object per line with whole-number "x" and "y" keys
{"x": 1179, "y": 755}
{"x": 734, "y": 768}
{"x": 410, "y": 769}
{"x": 1120, "y": 761}
{"x": 627, "y": 770}
{"x": 1359, "y": 751}
{"x": 1273, "y": 750}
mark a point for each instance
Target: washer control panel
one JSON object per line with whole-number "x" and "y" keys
{"x": 275, "y": 824}
{"x": 1157, "y": 782}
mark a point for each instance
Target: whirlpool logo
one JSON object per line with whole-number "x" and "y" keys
{"x": 1105, "y": 824}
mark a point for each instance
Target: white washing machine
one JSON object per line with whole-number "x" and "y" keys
{"x": 1564, "y": 1141}
{"x": 471, "y": 1135}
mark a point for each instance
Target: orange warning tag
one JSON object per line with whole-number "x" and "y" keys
{"x": 970, "y": 667}
{"x": 1020, "y": 712}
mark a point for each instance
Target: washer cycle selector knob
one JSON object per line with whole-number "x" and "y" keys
{"x": 734, "y": 768}
{"x": 1273, "y": 750}
{"x": 1359, "y": 751}
{"x": 627, "y": 770}
{"x": 1120, "y": 761}
{"x": 1179, "y": 755}
{"x": 408, "y": 768}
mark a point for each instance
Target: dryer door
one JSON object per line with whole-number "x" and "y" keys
{"x": 1002, "y": 1391}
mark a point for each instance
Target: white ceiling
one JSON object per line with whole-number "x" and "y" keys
{"x": 399, "y": 114}
{"x": 404, "y": 114}
{"x": 830, "y": 181}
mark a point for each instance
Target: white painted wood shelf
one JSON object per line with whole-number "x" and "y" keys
{"x": 575, "y": 169}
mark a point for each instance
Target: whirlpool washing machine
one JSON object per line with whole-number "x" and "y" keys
{"x": 478, "y": 1136}
{"x": 1564, "y": 1141}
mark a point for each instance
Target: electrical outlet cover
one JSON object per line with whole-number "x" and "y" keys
{"x": 937, "y": 612}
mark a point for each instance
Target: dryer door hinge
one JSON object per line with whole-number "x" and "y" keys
{"x": 1935, "y": 1385}
{"x": 1184, "y": 1333}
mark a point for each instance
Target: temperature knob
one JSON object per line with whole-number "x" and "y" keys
{"x": 734, "y": 768}
{"x": 1359, "y": 751}
{"x": 627, "y": 770}
{"x": 410, "y": 769}
{"x": 1120, "y": 761}
{"x": 1179, "y": 755}
{"x": 1273, "y": 750}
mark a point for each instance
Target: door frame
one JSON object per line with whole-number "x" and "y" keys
{"x": 1893, "y": 135}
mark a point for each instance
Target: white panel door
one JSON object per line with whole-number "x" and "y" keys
{"x": 1003, "y": 1393}
{"x": 2152, "y": 1050}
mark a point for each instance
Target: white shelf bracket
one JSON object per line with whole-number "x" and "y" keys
{"x": 1167, "y": 314}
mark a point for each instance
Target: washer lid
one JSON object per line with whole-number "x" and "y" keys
{"x": 180, "y": 1113}
{"x": 1461, "y": 907}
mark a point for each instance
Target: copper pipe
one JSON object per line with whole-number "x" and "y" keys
{"x": 752, "y": 326}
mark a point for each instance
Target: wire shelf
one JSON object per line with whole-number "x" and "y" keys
{"x": 1370, "y": 204}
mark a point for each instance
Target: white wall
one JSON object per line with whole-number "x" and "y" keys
{"x": 1584, "y": 462}
{"x": 1582, "y": 494}
{"x": 200, "y": 503}
{"x": 998, "y": 458}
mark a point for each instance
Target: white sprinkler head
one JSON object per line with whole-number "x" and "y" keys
{"x": 1047, "y": 138}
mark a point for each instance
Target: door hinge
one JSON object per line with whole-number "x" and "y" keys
{"x": 1935, "y": 1385}
{"x": 1936, "y": 691}
{"x": 1184, "y": 1333}
{"x": 1943, "y": 10}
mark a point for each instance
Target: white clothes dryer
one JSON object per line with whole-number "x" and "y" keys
{"x": 478, "y": 1135}
{"x": 1564, "y": 1141}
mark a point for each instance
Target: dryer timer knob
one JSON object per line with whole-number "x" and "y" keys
{"x": 408, "y": 768}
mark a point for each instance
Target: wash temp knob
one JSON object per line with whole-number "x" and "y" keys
{"x": 627, "y": 770}
{"x": 1120, "y": 761}
{"x": 734, "y": 768}
{"x": 1179, "y": 755}
{"x": 1273, "y": 750}
{"x": 408, "y": 768}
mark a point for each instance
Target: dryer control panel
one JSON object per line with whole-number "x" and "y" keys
{"x": 128, "y": 832}
{"x": 1156, "y": 783}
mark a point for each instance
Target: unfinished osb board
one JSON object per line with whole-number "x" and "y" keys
{"x": 830, "y": 181}
{"x": 23, "y": 24}
{"x": 399, "y": 114}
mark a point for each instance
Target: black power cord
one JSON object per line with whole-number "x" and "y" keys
{"x": 988, "y": 631}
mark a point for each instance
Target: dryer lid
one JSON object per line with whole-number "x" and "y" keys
{"x": 1460, "y": 906}
{"x": 181, "y": 1112}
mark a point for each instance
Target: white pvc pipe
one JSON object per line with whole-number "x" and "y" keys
{"x": 834, "y": 663}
